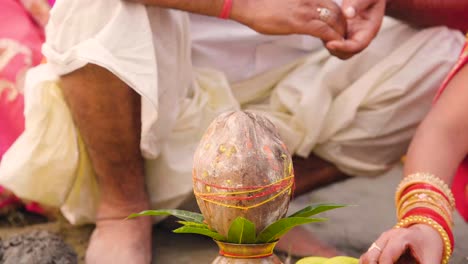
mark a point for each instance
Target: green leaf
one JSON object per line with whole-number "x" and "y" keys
{"x": 316, "y": 209}
{"x": 241, "y": 231}
{"x": 277, "y": 229}
{"x": 181, "y": 214}
{"x": 200, "y": 231}
{"x": 193, "y": 224}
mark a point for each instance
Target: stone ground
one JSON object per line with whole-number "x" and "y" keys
{"x": 351, "y": 229}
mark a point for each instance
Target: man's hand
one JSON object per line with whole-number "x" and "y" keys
{"x": 273, "y": 17}
{"x": 364, "y": 19}
{"x": 322, "y": 19}
{"x": 282, "y": 17}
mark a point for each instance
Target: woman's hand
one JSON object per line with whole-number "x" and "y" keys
{"x": 364, "y": 19}
{"x": 418, "y": 243}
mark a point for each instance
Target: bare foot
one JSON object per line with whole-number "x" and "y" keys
{"x": 8, "y": 201}
{"x": 300, "y": 242}
{"x": 119, "y": 241}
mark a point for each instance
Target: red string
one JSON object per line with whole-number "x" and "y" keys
{"x": 269, "y": 190}
{"x": 226, "y": 11}
{"x": 235, "y": 188}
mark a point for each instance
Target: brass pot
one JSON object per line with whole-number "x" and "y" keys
{"x": 230, "y": 253}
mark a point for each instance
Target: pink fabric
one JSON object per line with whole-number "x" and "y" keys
{"x": 460, "y": 189}
{"x": 21, "y": 38}
{"x": 460, "y": 182}
{"x": 11, "y": 118}
{"x": 17, "y": 25}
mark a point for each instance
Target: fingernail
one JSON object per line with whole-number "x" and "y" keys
{"x": 350, "y": 12}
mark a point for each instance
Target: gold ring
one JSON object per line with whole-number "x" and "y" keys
{"x": 374, "y": 245}
{"x": 324, "y": 13}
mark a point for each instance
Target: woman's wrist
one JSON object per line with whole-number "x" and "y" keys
{"x": 422, "y": 198}
{"x": 423, "y": 220}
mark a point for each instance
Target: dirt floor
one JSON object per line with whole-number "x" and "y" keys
{"x": 351, "y": 229}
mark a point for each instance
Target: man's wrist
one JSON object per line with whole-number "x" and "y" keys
{"x": 240, "y": 11}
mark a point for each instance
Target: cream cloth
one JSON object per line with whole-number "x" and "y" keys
{"x": 359, "y": 114}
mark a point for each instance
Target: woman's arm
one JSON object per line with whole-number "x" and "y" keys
{"x": 438, "y": 147}
{"x": 452, "y": 13}
{"x": 441, "y": 141}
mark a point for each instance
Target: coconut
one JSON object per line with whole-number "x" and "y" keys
{"x": 242, "y": 169}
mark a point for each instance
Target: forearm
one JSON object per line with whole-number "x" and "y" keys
{"x": 203, "y": 7}
{"x": 434, "y": 151}
{"x": 452, "y": 13}
{"x": 441, "y": 141}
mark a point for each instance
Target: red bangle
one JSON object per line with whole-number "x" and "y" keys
{"x": 226, "y": 11}
{"x": 434, "y": 216}
{"x": 424, "y": 186}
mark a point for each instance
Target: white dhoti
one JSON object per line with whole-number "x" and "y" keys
{"x": 359, "y": 114}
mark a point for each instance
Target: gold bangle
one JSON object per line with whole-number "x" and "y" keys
{"x": 425, "y": 192}
{"x": 425, "y": 196}
{"x": 417, "y": 219}
{"x": 415, "y": 203}
{"x": 425, "y": 178}
{"x": 448, "y": 218}
{"x": 428, "y": 179}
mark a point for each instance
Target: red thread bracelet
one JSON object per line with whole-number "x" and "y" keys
{"x": 226, "y": 11}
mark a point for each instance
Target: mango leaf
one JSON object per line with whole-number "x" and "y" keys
{"x": 200, "y": 231}
{"x": 181, "y": 214}
{"x": 241, "y": 231}
{"x": 277, "y": 229}
{"x": 193, "y": 224}
{"x": 316, "y": 209}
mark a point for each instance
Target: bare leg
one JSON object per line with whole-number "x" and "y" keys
{"x": 310, "y": 173}
{"x": 300, "y": 242}
{"x": 313, "y": 172}
{"x": 107, "y": 114}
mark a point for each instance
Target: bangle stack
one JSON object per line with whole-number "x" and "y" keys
{"x": 422, "y": 198}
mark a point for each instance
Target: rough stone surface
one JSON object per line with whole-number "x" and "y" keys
{"x": 37, "y": 247}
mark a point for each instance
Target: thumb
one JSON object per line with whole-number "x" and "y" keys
{"x": 351, "y": 8}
